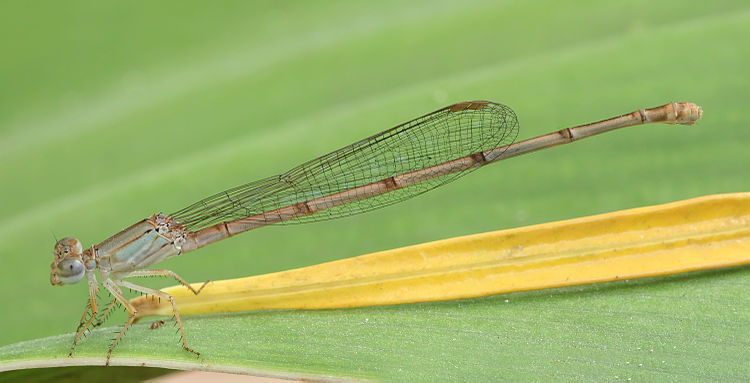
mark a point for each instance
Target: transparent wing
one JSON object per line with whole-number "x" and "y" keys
{"x": 444, "y": 135}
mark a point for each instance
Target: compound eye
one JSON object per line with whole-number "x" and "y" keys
{"x": 70, "y": 271}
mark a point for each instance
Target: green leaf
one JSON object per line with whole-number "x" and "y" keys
{"x": 110, "y": 113}
{"x": 594, "y": 332}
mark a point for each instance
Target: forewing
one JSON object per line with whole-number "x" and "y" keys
{"x": 444, "y": 135}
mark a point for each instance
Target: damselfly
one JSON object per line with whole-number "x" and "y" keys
{"x": 383, "y": 169}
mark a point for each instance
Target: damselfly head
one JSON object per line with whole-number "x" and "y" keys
{"x": 67, "y": 267}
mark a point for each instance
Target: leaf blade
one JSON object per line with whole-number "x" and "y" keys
{"x": 696, "y": 234}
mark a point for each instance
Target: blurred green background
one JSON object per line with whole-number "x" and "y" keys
{"x": 110, "y": 112}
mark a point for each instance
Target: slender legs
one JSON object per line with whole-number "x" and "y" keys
{"x": 91, "y": 305}
{"x": 166, "y": 273}
{"x": 168, "y": 297}
{"x": 105, "y": 313}
{"x": 117, "y": 293}
{"x": 113, "y": 286}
